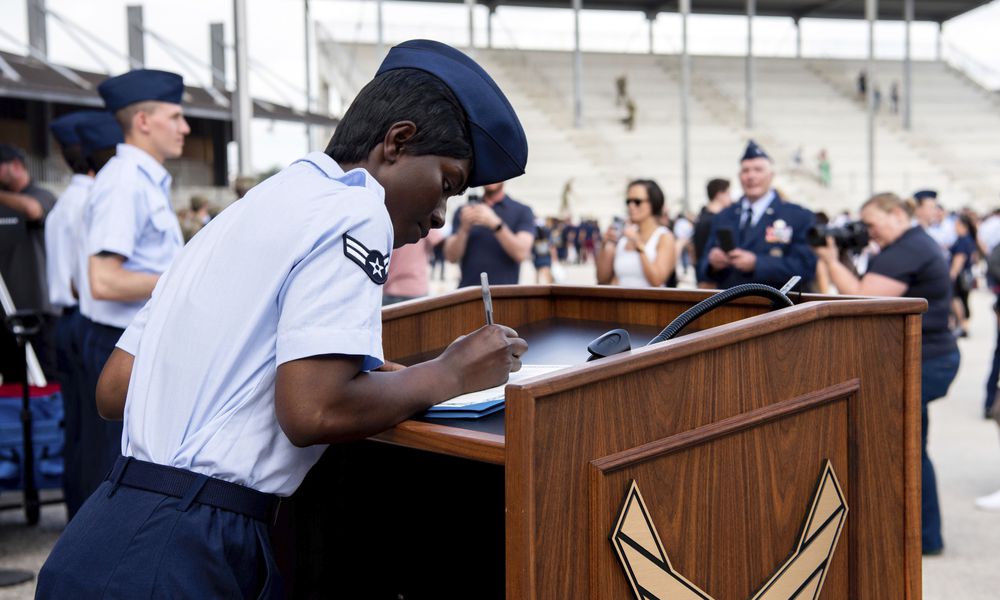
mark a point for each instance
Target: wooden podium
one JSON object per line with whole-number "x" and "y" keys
{"x": 762, "y": 454}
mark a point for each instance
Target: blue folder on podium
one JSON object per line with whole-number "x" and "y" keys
{"x": 479, "y": 404}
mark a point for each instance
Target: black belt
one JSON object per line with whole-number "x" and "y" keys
{"x": 110, "y": 329}
{"x": 194, "y": 487}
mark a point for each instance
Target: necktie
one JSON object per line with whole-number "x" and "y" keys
{"x": 746, "y": 224}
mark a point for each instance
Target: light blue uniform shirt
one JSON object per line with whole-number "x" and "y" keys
{"x": 62, "y": 242}
{"x": 274, "y": 278}
{"x": 128, "y": 213}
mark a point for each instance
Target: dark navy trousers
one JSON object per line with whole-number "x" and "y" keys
{"x": 936, "y": 375}
{"x": 68, "y": 337}
{"x": 994, "y": 377}
{"x": 100, "y": 441}
{"x": 129, "y": 543}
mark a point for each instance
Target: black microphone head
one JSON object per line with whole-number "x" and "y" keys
{"x": 615, "y": 341}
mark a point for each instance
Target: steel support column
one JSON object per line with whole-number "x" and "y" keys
{"x": 308, "y": 37}
{"x": 217, "y": 49}
{"x": 798, "y": 38}
{"x": 651, "y": 20}
{"x": 136, "y": 38}
{"x": 489, "y": 27}
{"x": 751, "y": 12}
{"x": 243, "y": 107}
{"x": 379, "y": 31}
{"x": 685, "y": 8}
{"x": 577, "y": 67}
{"x": 871, "y": 13}
{"x": 471, "y": 5}
{"x": 907, "y": 69}
{"x": 37, "y": 28}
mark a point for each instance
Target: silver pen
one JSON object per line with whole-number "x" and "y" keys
{"x": 487, "y": 298}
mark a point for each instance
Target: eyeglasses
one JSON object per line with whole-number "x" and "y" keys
{"x": 634, "y": 201}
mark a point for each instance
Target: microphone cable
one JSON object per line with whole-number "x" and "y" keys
{"x": 777, "y": 297}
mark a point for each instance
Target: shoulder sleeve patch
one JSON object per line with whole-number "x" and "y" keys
{"x": 372, "y": 262}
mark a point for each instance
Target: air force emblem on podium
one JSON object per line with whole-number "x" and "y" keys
{"x": 801, "y": 577}
{"x": 372, "y": 262}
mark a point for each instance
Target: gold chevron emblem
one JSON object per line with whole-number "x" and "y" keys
{"x": 801, "y": 577}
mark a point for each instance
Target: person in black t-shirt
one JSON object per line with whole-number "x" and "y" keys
{"x": 718, "y": 200}
{"x": 911, "y": 265}
{"x": 492, "y": 236}
{"x": 24, "y": 207}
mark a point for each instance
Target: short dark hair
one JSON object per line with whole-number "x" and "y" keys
{"x": 403, "y": 95}
{"x": 656, "y": 198}
{"x": 970, "y": 225}
{"x": 99, "y": 158}
{"x": 125, "y": 114}
{"x": 75, "y": 159}
{"x": 716, "y": 187}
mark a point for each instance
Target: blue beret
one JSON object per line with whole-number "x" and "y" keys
{"x": 64, "y": 127}
{"x": 754, "y": 151}
{"x": 920, "y": 195}
{"x": 141, "y": 85}
{"x": 98, "y": 131}
{"x": 499, "y": 146}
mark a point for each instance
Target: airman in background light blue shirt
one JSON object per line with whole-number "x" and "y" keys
{"x": 62, "y": 232}
{"x": 128, "y": 213}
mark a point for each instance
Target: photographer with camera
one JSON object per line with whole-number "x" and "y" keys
{"x": 493, "y": 234}
{"x": 910, "y": 264}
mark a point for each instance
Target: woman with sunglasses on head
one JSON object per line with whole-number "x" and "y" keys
{"x": 641, "y": 253}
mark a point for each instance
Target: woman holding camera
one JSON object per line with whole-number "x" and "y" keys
{"x": 910, "y": 264}
{"x": 640, "y": 253}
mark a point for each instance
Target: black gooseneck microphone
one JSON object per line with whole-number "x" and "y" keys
{"x": 617, "y": 341}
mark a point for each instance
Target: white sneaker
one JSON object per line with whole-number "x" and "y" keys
{"x": 991, "y": 502}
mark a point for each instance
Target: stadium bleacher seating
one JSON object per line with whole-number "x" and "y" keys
{"x": 808, "y": 104}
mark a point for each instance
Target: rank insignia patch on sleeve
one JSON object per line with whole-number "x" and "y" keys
{"x": 372, "y": 262}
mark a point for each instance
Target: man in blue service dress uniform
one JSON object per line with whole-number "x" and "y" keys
{"x": 769, "y": 233}
{"x": 262, "y": 343}
{"x": 131, "y": 233}
{"x": 62, "y": 249}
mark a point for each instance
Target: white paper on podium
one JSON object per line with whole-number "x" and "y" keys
{"x": 497, "y": 393}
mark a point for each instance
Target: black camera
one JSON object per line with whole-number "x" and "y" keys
{"x": 474, "y": 198}
{"x": 853, "y": 236}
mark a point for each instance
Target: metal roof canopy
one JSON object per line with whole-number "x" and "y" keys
{"x": 39, "y": 82}
{"x": 937, "y": 11}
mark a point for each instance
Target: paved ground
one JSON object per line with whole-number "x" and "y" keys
{"x": 965, "y": 449}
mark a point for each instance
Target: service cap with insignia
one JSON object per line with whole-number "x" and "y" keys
{"x": 140, "y": 85}
{"x": 372, "y": 262}
{"x": 754, "y": 151}
{"x": 64, "y": 127}
{"x": 98, "y": 131}
{"x": 499, "y": 146}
